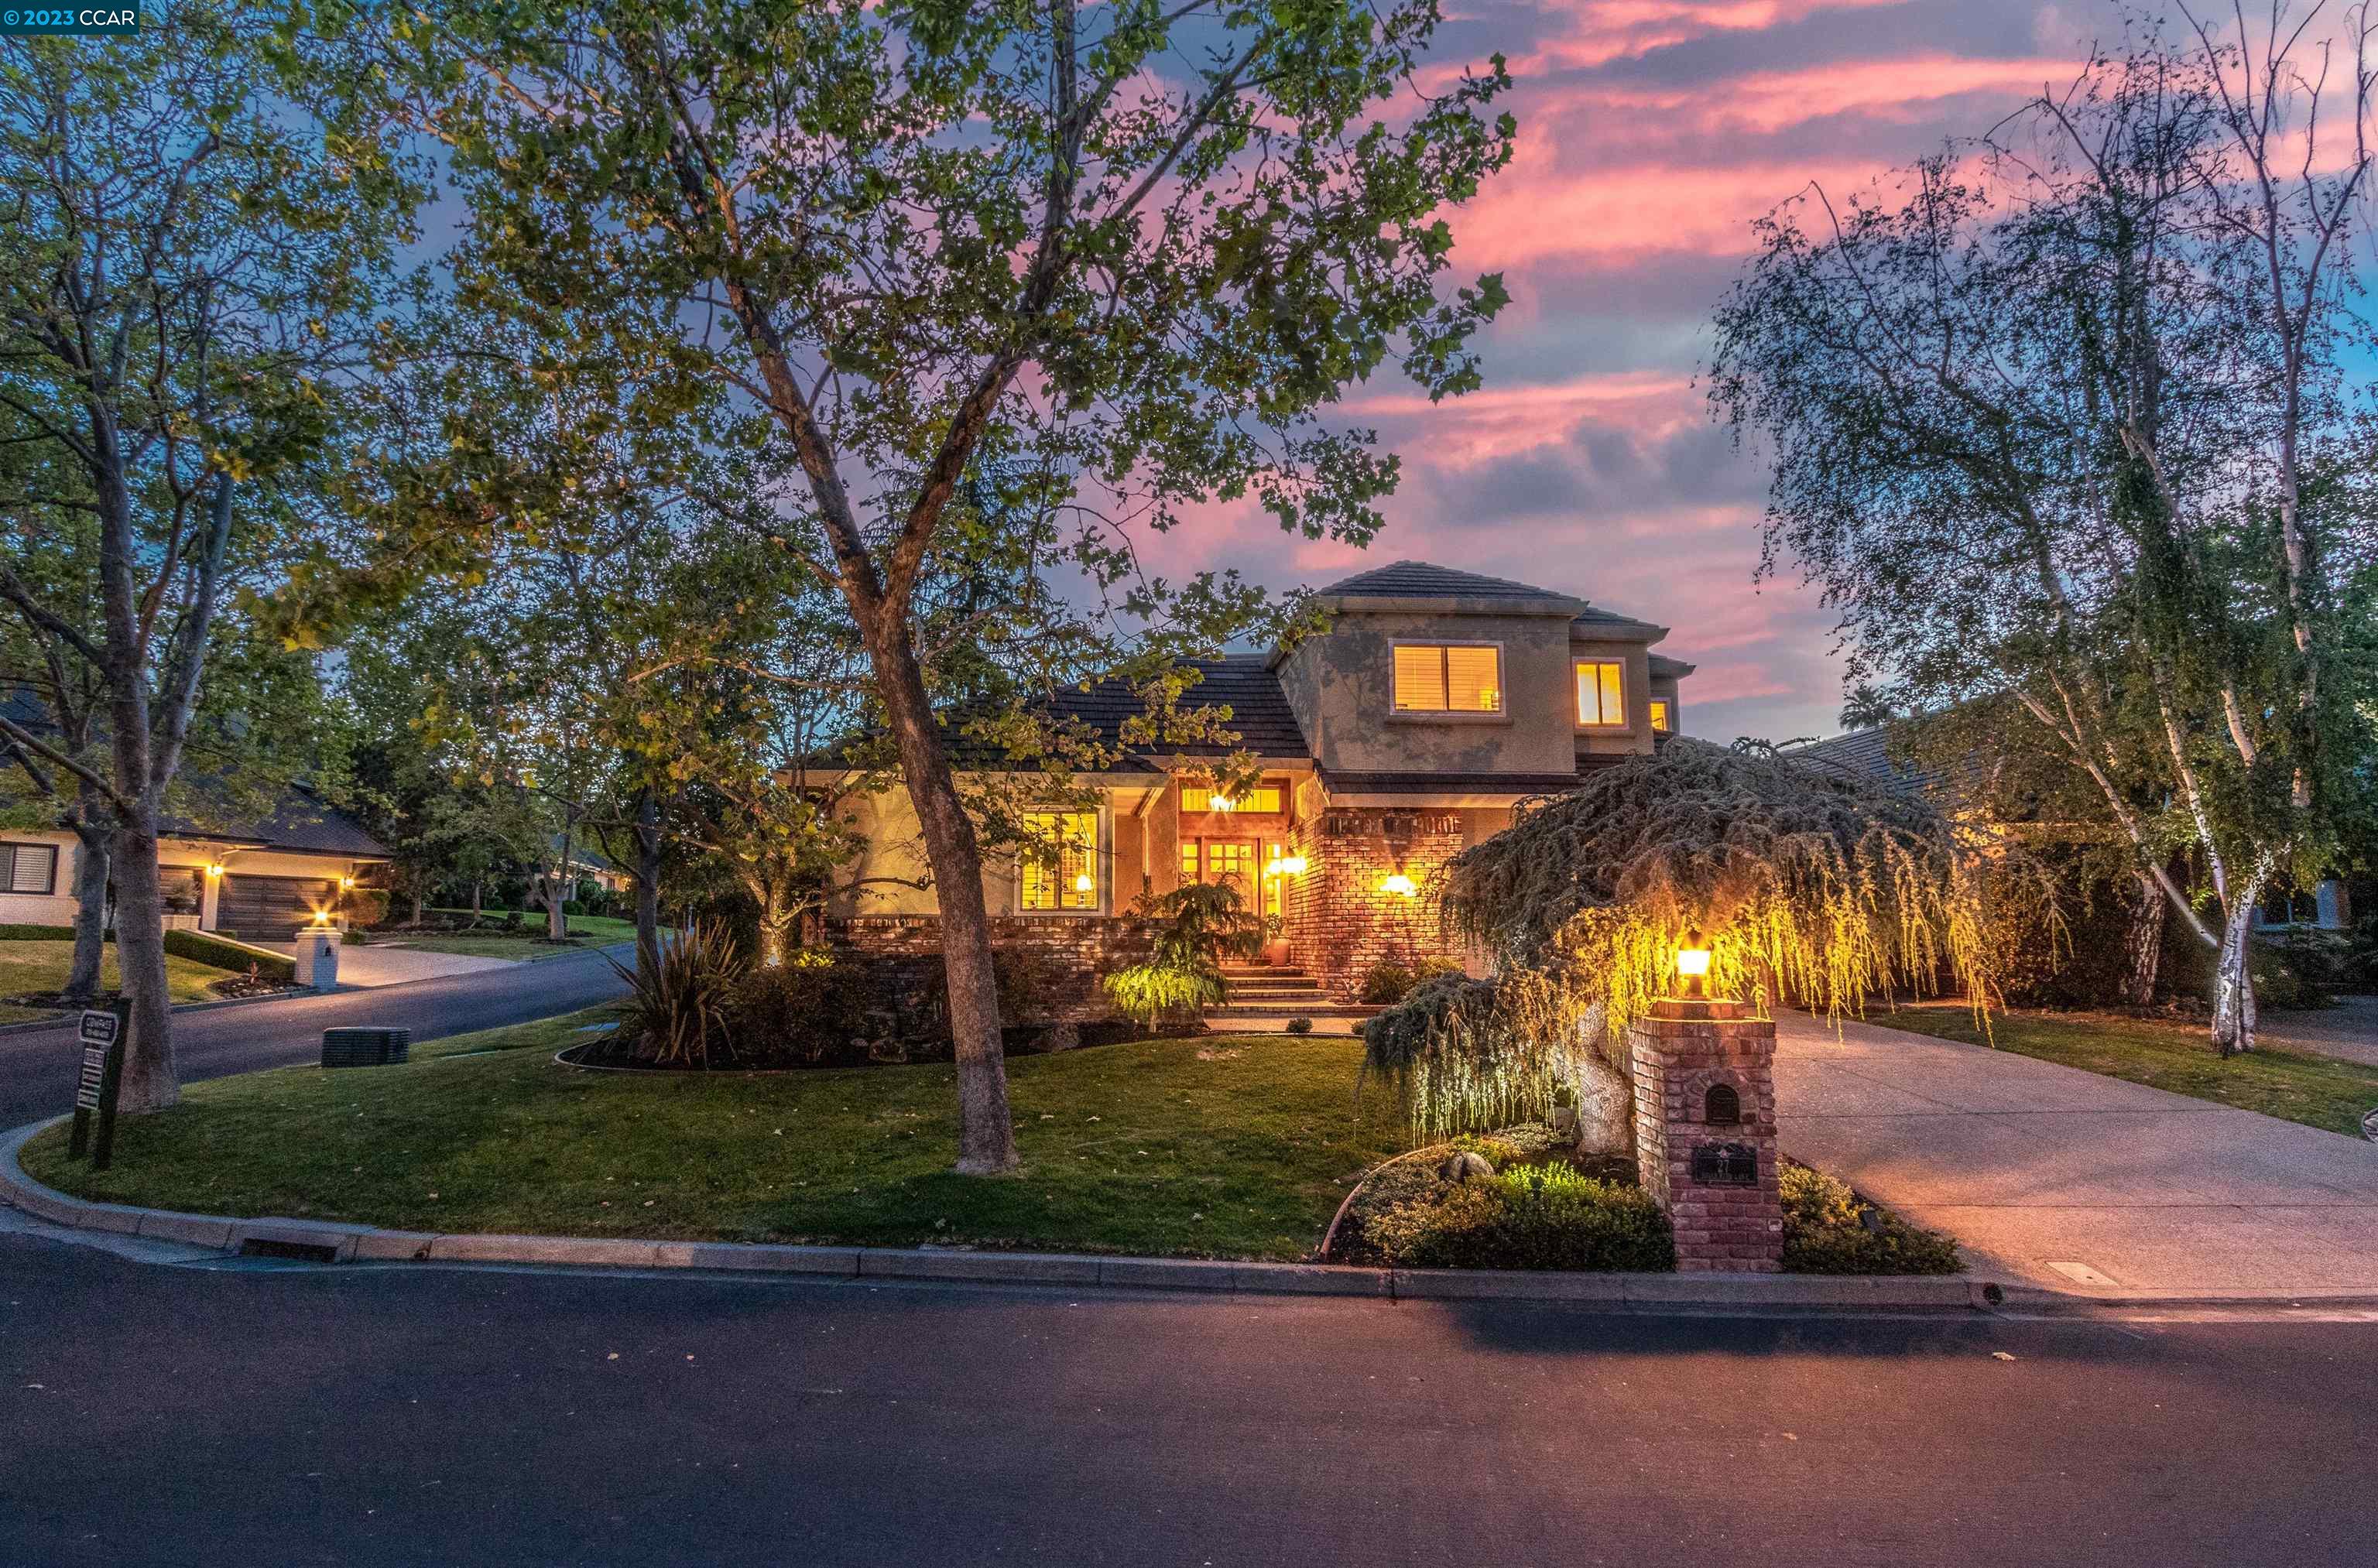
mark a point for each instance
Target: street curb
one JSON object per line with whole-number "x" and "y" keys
{"x": 340, "y": 1242}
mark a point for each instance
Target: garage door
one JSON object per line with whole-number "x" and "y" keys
{"x": 269, "y": 908}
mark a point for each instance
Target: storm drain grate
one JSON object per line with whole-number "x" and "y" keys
{"x": 295, "y": 1252}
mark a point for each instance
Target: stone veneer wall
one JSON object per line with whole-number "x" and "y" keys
{"x": 1339, "y": 922}
{"x": 1071, "y": 950}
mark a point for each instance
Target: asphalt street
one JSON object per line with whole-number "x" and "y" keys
{"x": 36, "y": 1069}
{"x": 254, "y": 1414}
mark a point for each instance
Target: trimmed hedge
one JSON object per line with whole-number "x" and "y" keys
{"x": 36, "y": 933}
{"x": 201, "y": 948}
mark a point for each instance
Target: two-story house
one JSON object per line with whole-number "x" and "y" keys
{"x": 1434, "y": 702}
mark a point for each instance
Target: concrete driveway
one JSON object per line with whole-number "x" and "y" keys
{"x": 373, "y": 966}
{"x": 2061, "y": 1178}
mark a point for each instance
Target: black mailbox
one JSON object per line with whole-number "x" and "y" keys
{"x": 1721, "y": 1106}
{"x": 1725, "y": 1164}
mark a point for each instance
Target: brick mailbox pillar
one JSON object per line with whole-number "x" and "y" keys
{"x": 1705, "y": 1130}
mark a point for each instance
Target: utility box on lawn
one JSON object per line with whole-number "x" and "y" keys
{"x": 366, "y": 1047}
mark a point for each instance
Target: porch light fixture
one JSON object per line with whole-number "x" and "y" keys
{"x": 214, "y": 870}
{"x": 1399, "y": 883}
{"x": 1292, "y": 866}
{"x": 346, "y": 884}
{"x": 1693, "y": 966}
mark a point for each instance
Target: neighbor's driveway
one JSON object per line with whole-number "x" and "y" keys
{"x": 373, "y": 966}
{"x": 2032, "y": 1166}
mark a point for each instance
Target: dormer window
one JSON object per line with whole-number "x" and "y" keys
{"x": 1448, "y": 677}
{"x": 1602, "y": 693}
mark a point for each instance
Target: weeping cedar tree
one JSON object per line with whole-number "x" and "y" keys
{"x": 1132, "y": 250}
{"x": 1807, "y": 886}
{"x": 2064, "y": 423}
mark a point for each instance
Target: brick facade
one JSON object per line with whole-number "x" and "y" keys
{"x": 1065, "y": 955}
{"x": 1339, "y": 921}
{"x": 1677, "y": 1061}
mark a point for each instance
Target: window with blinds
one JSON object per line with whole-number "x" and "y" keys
{"x": 1063, "y": 873}
{"x": 29, "y": 867}
{"x": 1436, "y": 678}
{"x": 1601, "y": 692}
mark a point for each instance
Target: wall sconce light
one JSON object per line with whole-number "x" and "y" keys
{"x": 1292, "y": 866}
{"x": 215, "y": 871}
{"x": 1399, "y": 883}
{"x": 1693, "y": 966}
{"x": 346, "y": 884}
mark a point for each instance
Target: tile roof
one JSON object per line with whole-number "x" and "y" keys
{"x": 299, "y": 821}
{"x": 1244, "y": 683}
{"x": 1421, "y": 579}
{"x": 1865, "y": 755}
{"x": 1674, "y": 669}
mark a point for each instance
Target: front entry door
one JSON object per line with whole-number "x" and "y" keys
{"x": 1231, "y": 860}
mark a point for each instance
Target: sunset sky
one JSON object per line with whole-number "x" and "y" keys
{"x": 1652, "y": 132}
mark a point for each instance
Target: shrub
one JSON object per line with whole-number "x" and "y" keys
{"x": 1300, "y": 1026}
{"x": 1465, "y": 1054}
{"x": 573, "y": 906}
{"x": 1385, "y": 983}
{"x": 677, "y": 1009}
{"x": 800, "y": 1014}
{"x": 1828, "y": 1229}
{"x": 1545, "y": 1216}
{"x": 201, "y": 948}
{"x": 1204, "y": 923}
{"x": 38, "y": 934}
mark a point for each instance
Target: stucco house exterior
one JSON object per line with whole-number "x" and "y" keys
{"x": 1434, "y": 701}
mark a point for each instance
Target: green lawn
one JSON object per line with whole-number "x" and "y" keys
{"x": 597, "y": 929}
{"x": 1235, "y": 1147}
{"x": 2293, "y": 1086}
{"x": 41, "y": 966}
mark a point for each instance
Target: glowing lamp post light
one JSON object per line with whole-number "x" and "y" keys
{"x": 1693, "y": 967}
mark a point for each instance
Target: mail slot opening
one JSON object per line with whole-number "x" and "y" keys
{"x": 1721, "y": 1106}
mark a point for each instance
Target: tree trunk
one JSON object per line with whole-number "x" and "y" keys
{"x": 150, "y": 1082}
{"x": 1605, "y": 1099}
{"x": 986, "y": 1135}
{"x": 2143, "y": 942}
{"x": 91, "y": 903}
{"x": 648, "y": 883}
{"x": 418, "y": 901}
{"x": 557, "y": 892}
{"x": 2233, "y": 979}
{"x": 478, "y": 885}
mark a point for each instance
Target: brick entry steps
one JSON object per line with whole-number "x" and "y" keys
{"x": 1260, "y": 1000}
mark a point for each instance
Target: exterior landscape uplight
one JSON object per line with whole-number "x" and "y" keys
{"x": 1693, "y": 966}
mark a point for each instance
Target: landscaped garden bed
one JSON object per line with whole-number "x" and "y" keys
{"x": 1521, "y": 1199}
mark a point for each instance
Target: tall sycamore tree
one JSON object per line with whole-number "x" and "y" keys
{"x": 2069, "y": 427}
{"x": 192, "y": 267}
{"x": 1134, "y": 249}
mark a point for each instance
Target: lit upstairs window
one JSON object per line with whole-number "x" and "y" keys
{"x": 1601, "y": 692}
{"x": 1660, "y": 714}
{"x": 1435, "y": 677}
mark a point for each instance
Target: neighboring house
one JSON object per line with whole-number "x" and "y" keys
{"x": 1434, "y": 701}
{"x": 262, "y": 878}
